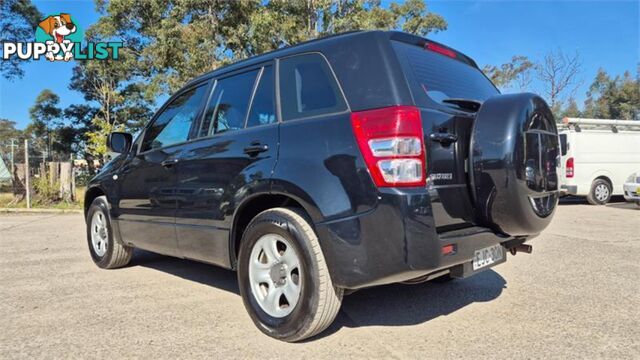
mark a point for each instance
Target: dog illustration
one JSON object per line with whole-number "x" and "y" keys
{"x": 58, "y": 27}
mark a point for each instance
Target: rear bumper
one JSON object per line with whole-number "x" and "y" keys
{"x": 631, "y": 191}
{"x": 568, "y": 189}
{"x": 397, "y": 241}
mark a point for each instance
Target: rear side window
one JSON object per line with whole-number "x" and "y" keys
{"x": 308, "y": 87}
{"x": 172, "y": 125}
{"x": 263, "y": 105}
{"x": 441, "y": 77}
{"x": 227, "y": 108}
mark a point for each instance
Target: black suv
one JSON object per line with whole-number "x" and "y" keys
{"x": 351, "y": 161}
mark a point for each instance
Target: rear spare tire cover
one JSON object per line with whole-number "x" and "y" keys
{"x": 514, "y": 151}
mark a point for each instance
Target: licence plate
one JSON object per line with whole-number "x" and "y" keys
{"x": 638, "y": 190}
{"x": 487, "y": 256}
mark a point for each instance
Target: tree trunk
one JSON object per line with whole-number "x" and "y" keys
{"x": 90, "y": 165}
{"x": 19, "y": 188}
{"x": 65, "y": 177}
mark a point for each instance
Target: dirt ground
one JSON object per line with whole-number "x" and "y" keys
{"x": 576, "y": 296}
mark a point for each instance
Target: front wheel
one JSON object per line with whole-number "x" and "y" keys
{"x": 600, "y": 193}
{"x": 105, "y": 251}
{"x": 283, "y": 277}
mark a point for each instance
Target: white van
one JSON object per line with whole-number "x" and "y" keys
{"x": 597, "y": 157}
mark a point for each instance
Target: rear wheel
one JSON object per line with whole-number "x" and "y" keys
{"x": 600, "y": 193}
{"x": 105, "y": 252}
{"x": 283, "y": 277}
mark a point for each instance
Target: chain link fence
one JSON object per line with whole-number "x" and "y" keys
{"x": 38, "y": 177}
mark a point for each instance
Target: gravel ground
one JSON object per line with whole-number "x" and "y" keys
{"x": 576, "y": 296}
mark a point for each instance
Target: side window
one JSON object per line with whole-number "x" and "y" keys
{"x": 262, "y": 108}
{"x": 563, "y": 144}
{"x": 308, "y": 87}
{"x": 173, "y": 124}
{"x": 228, "y": 104}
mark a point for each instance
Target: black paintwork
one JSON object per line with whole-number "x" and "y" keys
{"x": 514, "y": 180}
{"x": 184, "y": 200}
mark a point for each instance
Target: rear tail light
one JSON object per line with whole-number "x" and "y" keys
{"x": 569, "y": 168}
{"x": 392, "y": 143}
{"x": 448, "y": 249}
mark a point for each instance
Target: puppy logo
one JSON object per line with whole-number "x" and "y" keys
{"x": 59, "y": 38}
{"x": 58, "y": 27}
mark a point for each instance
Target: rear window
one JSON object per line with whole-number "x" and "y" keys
{"x": 308, "y": 87}
{"x": 441, "y": 77}
{"x": 228, "y": 104}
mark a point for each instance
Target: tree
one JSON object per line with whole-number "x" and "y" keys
{"x": 8, "y": 131}
{"x": 45, "y": 118}
{"x": 10, "y": 139}
{"x": 558, "y": 74}
{"x": 517, "y": 71}
{"x": 571, "y": 110}
{"x": 173, "y": 41}
{"x": 614, "y": 98}
{"x": 18, "y": 22}
{"x": 80, "y": 117}
{"x": 117, "y": 101}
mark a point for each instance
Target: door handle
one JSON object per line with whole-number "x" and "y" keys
{"x": 444, "y": 138}
{"x": 256, "y": 148}
{"x": 169, "y": 163}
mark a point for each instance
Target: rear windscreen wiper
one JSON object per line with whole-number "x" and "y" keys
{"x": 467, "y": 104}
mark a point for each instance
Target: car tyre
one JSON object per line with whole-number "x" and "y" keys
{"x": 600, "y": 193}
{"x": 105, "y": 251}
{"x": 277, "y": 239}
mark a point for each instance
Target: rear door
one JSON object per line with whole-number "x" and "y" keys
{"x": 234, "y": 152}
{"x": 448, "y": 89}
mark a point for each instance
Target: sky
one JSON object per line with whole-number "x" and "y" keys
{"x": 605, "y": 33}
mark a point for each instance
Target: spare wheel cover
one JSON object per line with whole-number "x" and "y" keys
{"x": 514, "y": 151}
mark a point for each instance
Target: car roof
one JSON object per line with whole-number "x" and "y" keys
{"x": 270, "y": 55}
{"x": 322, "y": 42}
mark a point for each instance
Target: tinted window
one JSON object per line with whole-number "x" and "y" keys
{"x": 262, "y": 107}
{"x": 172, "y": 125}
{"x": 228, "y": 104}
{"x": 442, "y": 77}
{"x": 308, "y": 88}
{"x": 563, "y": 144}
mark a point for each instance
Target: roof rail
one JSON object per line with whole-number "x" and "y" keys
{"x": 583, "y": 121}
{"x": 595, "y": 124}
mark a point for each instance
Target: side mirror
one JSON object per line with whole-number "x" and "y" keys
{"x": 119, "y": 142}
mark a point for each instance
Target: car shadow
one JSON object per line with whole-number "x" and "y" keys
{"x": 403, "y": 305}
{"x": 387, "y": 305}
{"x": 188, "y": 269}
{"x": 579, "y": 200}
{"x": 624, "y": 205}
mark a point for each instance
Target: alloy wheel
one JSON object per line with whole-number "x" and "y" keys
{"x": 99, "y": 233}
